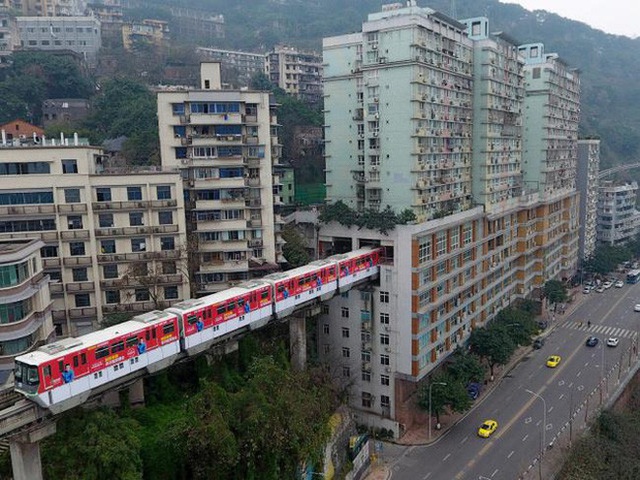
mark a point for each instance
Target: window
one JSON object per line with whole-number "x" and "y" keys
{"x": 177, "y": 108}
{"x": 136, "y": 219}
{"x": 74, "y": 222}
{"x": 72, "y": 195}
{"x": 169, "y": 268}
{"x": 82, "y": 300}
{"x": 441, "y": 243}
{"x": 69, "y": 166}
{"x": 171, "y": 292}
{"x": 110, "y": 270}
{"x": 142, "y": 294}
{"x": 165, "y": 218}
{"x": 325, "y": 329}
{"x": 134, "y": 193}
{"x": 346, "y": 371}
{"x": 424, "y": 250}
{"x": 467, "y": 234}
{"x": 384, "y": 359}
{"x": 163, "y": 192}
{"x": 79, "y": 274}
{"x": 384, "y": 339}
{"x": 76, "y": 248}
{"x": 324, "y": 309}
{"x": 385, "y": 401}
{"x": 346, "y": 353}
{"x": 455, "y": 238}
{"x": 366, "y": 400}
{"x": 112, "y": 296}
{"x": 345, "y": 332}
{"x": 107, "y": 246}
{"x": 103, "y": 194}
{"x": 384, "y": 297}
{"x": 384, "y": 318}
{"x": 102, "y": 352}
{"x": 138, "y": 245}
{"x": 49, "y": 251}
{"x": 105, "y": 220}
{"x": 384, "y": 379}
{"x": 167, "y": 243}
{"x": 366, "y": 376}
{"x": 344, "y": 312}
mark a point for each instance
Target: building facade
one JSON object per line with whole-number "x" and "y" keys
{"x": 154, "y": 33}
{"x": 25, "y": 302}
{"x": 47, "y": 8}
{"x": 114, "y": 240}
{"x": 618, "y": 219}
{"x": 430, "y": 114}
{"x": 297, "y": 73}
{"x": 9, "y": 39}
{"x": 77, "y": 34}
{"x": 225, "y": 143}
{"x": 241, "y": 65}
{"x": 587, "y": 183}
{"x": 64, "y": 110}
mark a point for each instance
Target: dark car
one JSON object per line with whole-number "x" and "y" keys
{"x": 592, "y": 341}
{"x": 542, "y": 324}
{"x": 538, "y": 343}
{"x": 473, "y": 389}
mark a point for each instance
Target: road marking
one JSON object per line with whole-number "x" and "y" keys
{"x": 528, "y": 420}
{"x": 525, "y": 437}
{"x": 446, "y": 457}
{"x": 512, "y": 452}
{"x": 561, "y": 396}
{"x": 494, "y": 473}
{"x": 578, "y": 374}
{"x": 550, "y": 408}
{"x": 580, "y": 388}
{"x": 561, "y": 383}
{"x": 570, "y": 385}
{"x": 427, "y": 475}
{"x": 465, "y": 439}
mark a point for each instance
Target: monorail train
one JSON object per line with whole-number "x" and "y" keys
{"x": 64, "y": 374}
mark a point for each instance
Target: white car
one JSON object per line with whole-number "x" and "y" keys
{"x": 600, "y": 289}
{"x": 612, "y": 342}
{"x": 619, "y": 284}
{"x": 607, "y": 284}
{"x": 637, "y": 307}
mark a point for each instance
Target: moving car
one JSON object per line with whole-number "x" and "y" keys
{"x": 553, "y": 361}
{"x": 538, "y": 343}
{"x": 607, "y": 284}
{"x": 487, "y": 428}
{"x": 592, "y": 341}
{"x": 637, "y": 307}
{"x": 612, "y": 342}
{"x": 619, "y": 284}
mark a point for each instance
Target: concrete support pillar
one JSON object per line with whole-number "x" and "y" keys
{"x": 25, "y": 452}
{"x": 298, "y": 341}
{"x": 136, "y": 393}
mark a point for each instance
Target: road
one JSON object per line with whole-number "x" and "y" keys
{"x": 568, "y": 392}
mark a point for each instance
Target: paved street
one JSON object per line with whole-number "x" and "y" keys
{"x": 564, "y": 398}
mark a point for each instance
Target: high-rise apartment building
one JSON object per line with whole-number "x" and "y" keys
{"x": 25, "y": 302}
{"x": 427, "y": 113}
{"x": 225, "y": 142}
{"x": 47, "y": 8}
{"x": 587, "y": 183}
{"x": 297, "y": 73}
{"x": 114, "y": 240}
{"x": 618, "y": 219}
{"x": 239, "y": 67}
{"x": 8, "y": 35}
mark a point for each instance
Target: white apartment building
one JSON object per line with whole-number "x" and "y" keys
{"x": 114, "y": 240}
{"x": 618, "y": 218}
{"x": 297, "y": 73}
{"x": 225, "y": 143}
{"x": 587, "y": 182}
{"x": 25, "y": 302}
{"x": 238, "y": 66}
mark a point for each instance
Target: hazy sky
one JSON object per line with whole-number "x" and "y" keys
{"x": 621, "y": 17}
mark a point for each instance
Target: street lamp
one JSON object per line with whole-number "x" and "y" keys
{"x": 544, "y": 428}
{"x": 431, "y": 385}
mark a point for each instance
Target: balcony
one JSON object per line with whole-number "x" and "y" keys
{"x": 50, "y": 262}
{"x": 72, "y": 208}
{"x": 132, "y": 205}
{"x": 76, "y": 261}
{"x": 27, "y": 209}
{"x": 252, "y": 182}
{"x": 83, "y": 312}
{"x": 74, "y": 234}
{"x": 164, "y": 203}
{"x": 75, "y": 287}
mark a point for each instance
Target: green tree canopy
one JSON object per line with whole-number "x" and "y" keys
{"x": 452, "y": 395}
{"x": 555, "y": 291}
{"x": 295, "y": 250}
{"x": 493, "y": 344}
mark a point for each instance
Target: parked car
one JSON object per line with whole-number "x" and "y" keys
{"x": 473, "y": 389}
{"x": 538, "y": 343}
{"x": 542, "y": 324}
{"x": 592, "y": 341}
{"x": 607, "y": 285}
{"x": 612, "y": 342}
{"x": 553, "y": 361}
{"x": 619, "y": 284}
{"x": 586, "y": 290}
{"x": 600, "y": 289}
{"x": 637, "y": 307}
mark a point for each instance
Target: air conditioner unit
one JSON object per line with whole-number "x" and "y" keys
{"x": 375, "y": 99}
{"x": 376, "y": 115}
{"x": 387, "y": 349}
{"x": 374, "y": 46}
{"x": 387, "y": 369}
{"x": 386, "y": 328}
{"x": 375, "y": 134}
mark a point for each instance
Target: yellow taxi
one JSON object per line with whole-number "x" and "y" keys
{"x": 487, "y": 428}
{"x": 553, "y": 361}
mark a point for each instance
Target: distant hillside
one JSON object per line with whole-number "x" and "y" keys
{"x": 610, "y": 64}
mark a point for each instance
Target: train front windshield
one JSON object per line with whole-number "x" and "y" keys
{"x": 26, "y": 376}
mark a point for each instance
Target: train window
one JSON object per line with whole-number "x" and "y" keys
{"x": 101, "y": 352}
{"x": 240, "y": 302}
{"x": 191, "y": 319}
{"x": 148, "y": 335}
{"x": 265, "y": 294}
{"x": 32, "y": 376}
{"x": 281, "y": 288}
{"x": 132, "y": 341}
{"x": 83, "y": 358}
{"x": 167, "y": 329}
{"x": 231, "y": 307}
{"x": 61, "y": 365}
{"x": 221, "y": 310}
{"x": 47, "y": 371}
{"x": 207, "y": 313}
{"x": 75, "y": 362}
{"x": 117, "y": 347}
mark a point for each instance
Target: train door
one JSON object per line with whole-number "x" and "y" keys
{"x": 47, "y": 378}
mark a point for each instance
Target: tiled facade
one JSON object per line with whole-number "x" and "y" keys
{"x": 587, "y": 183}
{"x": 225, "y": 142}
{"x": 431, "y": 114}
{"x": 114, "y": 239}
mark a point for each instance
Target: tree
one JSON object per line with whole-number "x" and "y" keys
{"x": 493, "y": 344}
{"x": 295, "y": 250}
{"x": 465, "y": 367}
{"x": 453, "y": 395}
{"x": 555, "y": 291}
{"x": 97, "y": 445}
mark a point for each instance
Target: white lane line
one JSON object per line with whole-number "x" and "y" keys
{"x": 578, "y": 374}
{"x": 464, "y": 439}
{"x": 550, "y": 408}
{"x": 512, "y": 452}
{"x": 561, "y": 396}
{"x": 427, "y": 476}
{"x": 494, "y": 473}
{"x": 525, "y": 437}
{"x": 446, "y": 456}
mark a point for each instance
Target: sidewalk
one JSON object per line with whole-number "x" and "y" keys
{"x": 417, "y": 434}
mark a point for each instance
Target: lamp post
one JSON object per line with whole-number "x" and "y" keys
{"x": 544, "y": 428}
{"x": 431, "y": 385}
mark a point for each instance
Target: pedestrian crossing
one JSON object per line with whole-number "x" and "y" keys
{"x": 603, "y": 330}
